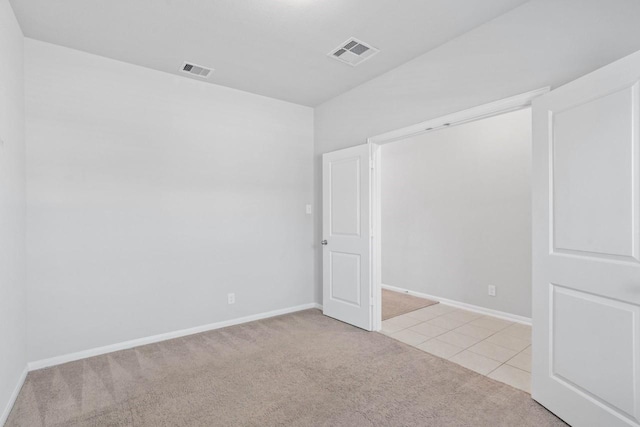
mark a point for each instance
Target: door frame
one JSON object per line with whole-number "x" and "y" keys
{"x": 375, "y": 143}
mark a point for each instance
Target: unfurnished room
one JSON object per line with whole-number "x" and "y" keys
{"x": 320, "y": 213}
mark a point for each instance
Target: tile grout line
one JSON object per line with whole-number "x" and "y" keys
{"x": 514, "y": 367}
{"x": 518, "y": 354}
{"x": 488, "y": 373}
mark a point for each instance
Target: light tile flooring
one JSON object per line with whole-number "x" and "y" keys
{"x": 490, "y": 346}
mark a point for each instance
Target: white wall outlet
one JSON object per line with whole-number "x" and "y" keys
{"x": 231, "y": 298}
{"x": 492, "y": 291}
{"x": 309, "y": 210}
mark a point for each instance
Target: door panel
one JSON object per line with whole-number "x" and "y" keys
{"x": 588, "y": 216}
{"x": 577, "y": 318}
{"x": 345, "y": 278}
{"x": 345, "y": 197}
{"x": 586, "y": 274}
{"x": 346, "y": 231}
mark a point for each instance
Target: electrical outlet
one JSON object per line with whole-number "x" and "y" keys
{"x": 309, "y": 210}
{"x": 231, "y": 298}
{"x": 492, "y": 291}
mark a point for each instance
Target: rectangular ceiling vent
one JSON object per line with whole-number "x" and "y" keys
{"x": 353, "y": 52}
{"x": 196, "y": 70}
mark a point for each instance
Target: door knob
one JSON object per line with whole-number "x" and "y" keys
{"x": 324, "y": 243}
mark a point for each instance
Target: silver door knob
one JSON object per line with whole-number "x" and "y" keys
{"x": 324, "y": 243}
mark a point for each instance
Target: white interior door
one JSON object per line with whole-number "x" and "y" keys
{"x": 346, "y": 254}
{"x": 586, "y": 248}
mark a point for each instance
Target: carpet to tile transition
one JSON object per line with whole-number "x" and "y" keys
{"x": 396, "y": 303}
{"x": 301, "y": 369}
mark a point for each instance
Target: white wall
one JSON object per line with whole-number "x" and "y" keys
{"x": 541, "y": 43}
{"x": 13, "y": 336}
{"x": 456, "y": 213}
{"x": 151, "y": 196}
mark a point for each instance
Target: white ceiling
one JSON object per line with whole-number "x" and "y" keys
{"x": 275, "y": 48}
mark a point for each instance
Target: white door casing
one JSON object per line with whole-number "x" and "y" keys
{"x": 346, "y": 256}
{"x": 586, "y": 248}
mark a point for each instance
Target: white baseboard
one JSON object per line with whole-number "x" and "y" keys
{"x": 14, "y": 396}
{"x": 44, "y": 363}
{"x": 464, "y": 305}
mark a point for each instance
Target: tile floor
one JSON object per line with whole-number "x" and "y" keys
{"x": 490, "y": 346}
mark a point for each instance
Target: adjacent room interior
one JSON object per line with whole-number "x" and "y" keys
{"x": 456, "y": 228}
{"x": 303, "y": 212}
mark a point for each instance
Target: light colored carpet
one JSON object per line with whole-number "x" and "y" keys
{"x": 301, "y": 369}
{"x": 396, "y": 303}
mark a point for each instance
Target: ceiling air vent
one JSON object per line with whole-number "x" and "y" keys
{"x": 196, "y": 70}
{"x": 353, "y": 52}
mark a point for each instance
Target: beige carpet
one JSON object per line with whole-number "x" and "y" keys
{"x": 301, "y": 369}
{"x": 396, "y": 303}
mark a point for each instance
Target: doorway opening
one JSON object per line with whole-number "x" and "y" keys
{"x": 451, "y": 214}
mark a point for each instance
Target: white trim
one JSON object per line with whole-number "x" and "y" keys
{"x": 476, "y": 113}
{"x": 376, "y": 233}
{"x": 14, "y": 396}
{"x": 469, "y": 307}
{"x": 44, "y": 363}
